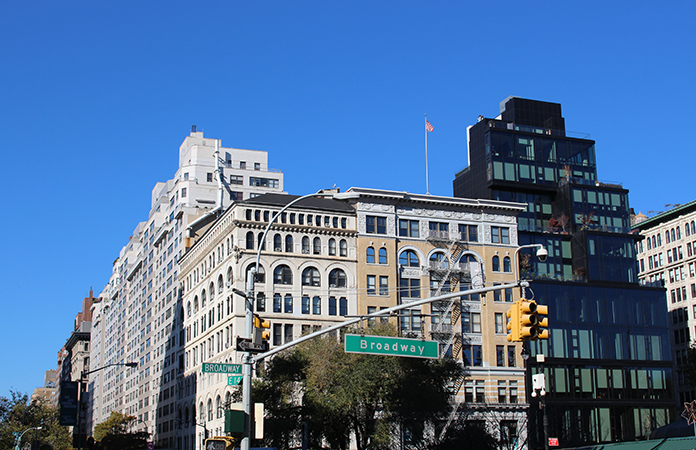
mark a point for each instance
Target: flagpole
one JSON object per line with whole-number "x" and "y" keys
{"x": 427, "y": 182}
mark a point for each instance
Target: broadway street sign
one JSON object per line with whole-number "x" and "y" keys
{"x": 385, "y": 345}
{"x": 222, "y": 368}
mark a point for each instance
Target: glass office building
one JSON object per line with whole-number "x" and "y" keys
{"x": 607, "y": 361}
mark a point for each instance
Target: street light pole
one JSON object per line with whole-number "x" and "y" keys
{"x": 249, "y": 323}
{"x": 83, "y": 379}
{"x": 19, "y": 439}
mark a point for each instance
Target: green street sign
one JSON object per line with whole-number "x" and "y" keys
{"x": 221, "y": 368}
{"x": 233, "y": 380}
{"x": 385, "y": 345}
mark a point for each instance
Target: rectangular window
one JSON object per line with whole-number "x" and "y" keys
{"x": 209, "y": 176}
{"x": 500, "y": 355}
{"x": 468, "y": 233}
{"x": 277, "y": 334}
{"x": 499, "y": 324}
{"x": 500, "y": 235}
{"x": 288, "y": 333}
{"x": 371, "y": 284}
{"x": 305, "y": 304}
{"x": 236, "y": 179}
{"x": 439, "y": 229}
{"x": 408, "y": 228}
{"x": 375, "y": 225}
{"x": 475, "y": 322}
{"x": 332, "y": 306}
{"x": 288, "y": 303}
{"x": 383, "y": 285}
{"x": 263, "y": 182}
{"x": 316, "y": 305}
{"x": 511, "y": 356}
{"x": 409, "y": 288}
{"x": 257, "y": 166}
{"x": 183, "y": 192}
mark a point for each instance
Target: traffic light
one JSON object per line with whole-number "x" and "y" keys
{"x": 513, "y": 324}
{"x": 527, "y": 319}
{"x": 220, "y": 443}
{"x": 261, "y": 333}
{"x": 542, "y": 312}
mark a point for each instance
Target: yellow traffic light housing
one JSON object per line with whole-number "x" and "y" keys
{"x": 261, "y": 331}
{"x": 527, "y": 319}
{"x": 542, "y": 312}
{"x": 513, "y": 324}
{"x": 220, "y": 443}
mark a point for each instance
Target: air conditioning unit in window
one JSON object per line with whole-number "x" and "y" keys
{"x": 332, "y": 286}
{"x": 305, "y": 252}
{"x": 278, "y": 249}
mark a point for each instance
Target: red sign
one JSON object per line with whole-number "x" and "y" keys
{"x": 553, "y": 442}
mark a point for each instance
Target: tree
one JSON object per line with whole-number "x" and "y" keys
{"x": 17, "y": 414}
{"x": 318, "y": 393}
{"x": 114, "y": 433}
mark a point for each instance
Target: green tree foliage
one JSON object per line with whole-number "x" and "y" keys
{"x": 463, "y": 436}
{"x": 318, "y": 393}
{"x": 114, "y": 433}
{"x": 17, "y": 414}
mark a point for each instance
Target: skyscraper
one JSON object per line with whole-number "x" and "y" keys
{"x": 140, "y": 308}
{"x": 607, "y": 365}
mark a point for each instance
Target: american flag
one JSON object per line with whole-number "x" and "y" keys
{"x": 428, "y": 126}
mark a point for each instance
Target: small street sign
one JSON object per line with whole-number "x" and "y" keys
{"x": 233, "y": 380}
{"x": 221, "y": 368}
{"x": 386, "y": 345}
{"x": 245, "y": 345}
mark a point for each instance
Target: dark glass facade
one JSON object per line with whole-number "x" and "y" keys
{"x": 607, "y": 361}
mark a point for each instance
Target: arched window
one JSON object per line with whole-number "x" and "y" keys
{"x": 210, "y": 410}
{"x": 201, "y": 412}
{"x": 277, "y": 243}
{"x": 203, "y": 299}
{"x": 250, "y": 240}
{"x": 288, "y": 243}
{"x": 211, "y": 288}
{"x": 229, "y": 276}
{"x": 409, "y": 258}
{"x": 337, "y": 278}
{"x": 261, "y": 244}
{"x": 495, "y": 265}
{"x": 282, "y": 275}
{"x": 678, "y": 232}
{"x": 316, "y": 246}
{"x": 343, "y": 248}
{"x": 383, "y": 255}
{"x": 370, "y": 255}
{"x": 221, "y": 284}
{"x": 218, "y": 407}
{"x": 332, "y": 247}
{"x": 310, "y": 277}
{"x": 687, "y": 230}
{"x": 507, "y": 267}
{"x": 305, "y": 245}
{"x": 188, "y": 309}
{"x": 257, "y": 215}
{"x": 439, "y": 260}
{"x": 693, "y": 227}
{"x": 195, "y": 304}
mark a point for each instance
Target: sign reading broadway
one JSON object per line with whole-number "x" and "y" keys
{"x": 386, "y": 345}
{"x": 222, "y": 368}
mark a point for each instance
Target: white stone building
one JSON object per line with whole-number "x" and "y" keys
{"x": 307, "y": 280}
{"x": 667, "y": 256}
{"x": 138, "y": 316}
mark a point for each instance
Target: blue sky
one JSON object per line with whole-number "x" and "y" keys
{"x": 98, "y": 96}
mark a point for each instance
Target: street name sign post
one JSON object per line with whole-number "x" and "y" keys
{"x": 222, "y": 368}
{"x": 386, "y": 345}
